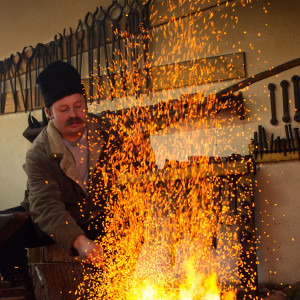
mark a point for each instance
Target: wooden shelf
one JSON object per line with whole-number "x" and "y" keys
{"x": 272, "y": 157}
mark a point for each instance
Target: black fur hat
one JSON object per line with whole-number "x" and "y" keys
{"x": 58, "y": 80}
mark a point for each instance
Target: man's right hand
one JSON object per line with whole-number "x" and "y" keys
{"x": 89, "y": 251}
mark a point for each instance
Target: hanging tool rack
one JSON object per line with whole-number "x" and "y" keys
{"x": 115, "y": 44}
{"x": 120, "y": 32}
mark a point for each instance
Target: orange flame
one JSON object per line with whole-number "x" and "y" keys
{"x": 195, "y": 286}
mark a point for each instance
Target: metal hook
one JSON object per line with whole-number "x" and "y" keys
{"x": 64, "y": 33}
{"x": 68, "y": 39}
{"x": 79, "y": 26}
{"x": 115, "y": 5}
{"x": 103, "y": 16}
{"x": 90, "y": 27}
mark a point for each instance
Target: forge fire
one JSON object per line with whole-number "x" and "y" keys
{"x": 184, "y": 230}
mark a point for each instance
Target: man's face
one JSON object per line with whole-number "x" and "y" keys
{"x": 69, "y": 116}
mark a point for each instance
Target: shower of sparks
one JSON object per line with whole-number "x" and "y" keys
{"x": 179, "y": 238}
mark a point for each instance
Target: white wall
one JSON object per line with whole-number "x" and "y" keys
{"x": 12, "y": 152}
{"x": 267, "y": 31}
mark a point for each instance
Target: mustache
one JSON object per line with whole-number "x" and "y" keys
{"x": 73, "y": 120}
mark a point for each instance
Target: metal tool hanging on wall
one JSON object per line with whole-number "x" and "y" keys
{"x": 127, "y": 10}
{"x": 271, "y": 88}
{"x": 296, "y": 80}
{"x": 51, "y": 52}
{"x": 44, "y": 54}
{"x": 99, "y": 20}
{"x": 28, "y": 89}
{"x": 68, "y": 40}
{"x": 285, "y": 100}
{"x": 37, "y": 61}
{"x": 90, "y": 46}
{"x": 114, "y": 15}
{"x": 135, "y": 32}
{"x": 79, "y": 46}
{"x": 227, "y": 199}
{"x": 16, "y": 65}
{"x": 58, "y": 46}
{"x": 12, "y": 82}
{"x": 145, "y": 25}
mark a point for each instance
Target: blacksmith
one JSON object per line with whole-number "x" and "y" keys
{"x": 64, "y": 166}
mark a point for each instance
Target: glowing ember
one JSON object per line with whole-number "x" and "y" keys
{"x": 193, "y": 289}
{"x": 196, "y": 286}
{"x": 173, "y": 233}
{"x": 177, "y": 223}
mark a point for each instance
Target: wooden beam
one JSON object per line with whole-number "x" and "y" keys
{"x": 171, "y": 76}
{"x": 196, "y": 72}
{"x": 188, "y": 171}
{"x": 177, "y": 75}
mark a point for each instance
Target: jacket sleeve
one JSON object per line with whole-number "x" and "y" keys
{"x": 45, "y": 198}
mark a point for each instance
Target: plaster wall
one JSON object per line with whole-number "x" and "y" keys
{"x": 265, "y": 30}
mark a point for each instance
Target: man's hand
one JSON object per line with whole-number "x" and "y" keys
{"x": 89, "y": 251}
